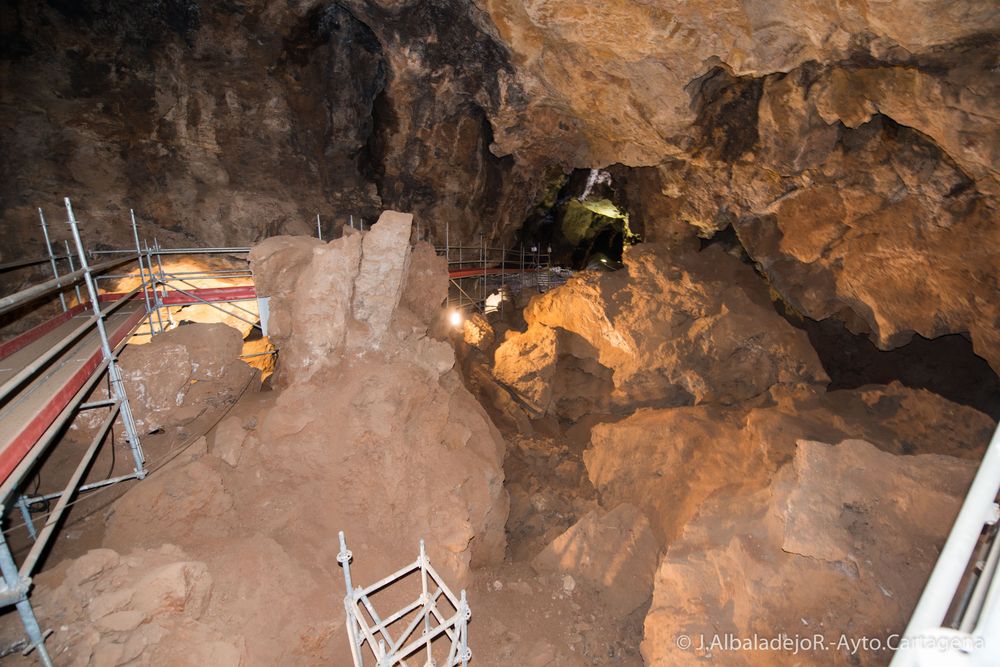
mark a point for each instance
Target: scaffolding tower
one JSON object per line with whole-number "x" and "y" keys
{"x": 49, "y": 373}
{"x": 441, "y": 629}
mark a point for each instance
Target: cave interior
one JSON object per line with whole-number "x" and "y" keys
{"x": 661, "y": 330}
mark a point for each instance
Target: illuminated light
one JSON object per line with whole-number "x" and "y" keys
{"x": 604, "y": 261}
{"x": 455, "y": 317}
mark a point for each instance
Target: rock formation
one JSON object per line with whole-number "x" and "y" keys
{"x": 830, "y": 161}
{"x": 183, "y": 372}
{"x": 615, "y": 552}
{"x": 669, "y": 461}
{"x": 144, "y": 608}
{"x": 370, "y": 429}
{"x": 795, "y": 558}
{"x": 673, "y": 329}
{"x": 854, "y": 148}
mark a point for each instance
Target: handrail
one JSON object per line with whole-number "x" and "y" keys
{"x": 9, "y": 303}
{"x": 918, "y": 645}
{"x": 180, "y": 251}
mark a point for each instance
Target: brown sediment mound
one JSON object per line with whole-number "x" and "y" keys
{"x": 144, "y": 608}
{"x": 371, "y": 432}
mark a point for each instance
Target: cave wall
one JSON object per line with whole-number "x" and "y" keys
{"x": 223, "y": 123}
{"x": 854, "y": 147}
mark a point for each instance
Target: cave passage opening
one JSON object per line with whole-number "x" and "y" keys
{"x": 582, "y": 221}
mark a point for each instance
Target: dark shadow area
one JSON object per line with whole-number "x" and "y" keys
{"x": 946, "y": 365}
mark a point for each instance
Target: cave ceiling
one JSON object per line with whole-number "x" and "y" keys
{"x": 852, "y": 146}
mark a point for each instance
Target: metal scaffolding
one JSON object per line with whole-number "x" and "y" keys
{"x": 443, "y": 629}
{"x": 50, "y": 371}
{"x": 483, "y": 277}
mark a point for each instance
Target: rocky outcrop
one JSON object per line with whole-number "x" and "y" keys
{"x": 342, "y": 342}
{"x": 673, "y": 329}
{"x": 814, "y": 554}
{"x": 328, "y": 300}
{"x": 615, "y": 83}
{"x": 225, "y": 124}
{"x": 180, "y": 373}
{"x": 377, "y": 437}
{"x": 378, "y": 287}
{"x": 668, "y": 462}
{"x": 876, "y": 226}
{"x": 219, "y": 124}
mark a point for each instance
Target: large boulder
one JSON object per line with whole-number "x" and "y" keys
{"x": 668, "y": 462}
{"x": 672, "y": 329}
{"x": 816, "y": 554}
{"x": 613, "y": 552}
{"x": 182, "y": 372}
{"x": 378, "y": 285}
{"x": 341, "y": 297}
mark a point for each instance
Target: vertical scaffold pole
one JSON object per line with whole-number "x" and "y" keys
{"x": 426, "y": 597}
{"x": 114, "y": 373}
{"x": 503, "y": 283}
{"x": 152, "y": 285}
{"x": 142, "y": 273}
{"x": 344, "y": 558}
{"x": 466, "y": 613}
{"x": 72, "y": 268}
{"x": 52, "y": 257}
{"x": 15, "y": 582}
{"x": 163, "y": 277}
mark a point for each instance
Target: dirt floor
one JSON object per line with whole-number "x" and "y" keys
{"x": 519, "y": 616}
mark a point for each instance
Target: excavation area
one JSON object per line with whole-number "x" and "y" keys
{"x": 499, "y": 333}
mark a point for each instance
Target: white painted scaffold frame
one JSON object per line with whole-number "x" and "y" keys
{"x": 389, "y": 651}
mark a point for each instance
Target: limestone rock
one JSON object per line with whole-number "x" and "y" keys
{"x": 328, "y": 300}
{"x": 177, "y": 587}
{"x": 321, "y": 309}
{"x": 672, "y": 329}
{"x": 309, "y": 285}
{"x": 426, "y": 286}
{"x": 959, "y": 112}
{"x": 379, "y": 283}
{"x": 194, "y": 366}
{"x": 669, "y": 462}
{"x": 840, "y": 517}
{"x": 527, "y": 363}
{"x": 889, "y": 236}
{"x": 276, "y": 263}
{"x": 230, "y": 437}
{"x": 139, "y": 609}
{"x": 614, "y": 82}
{"x": 614, "y": 552}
